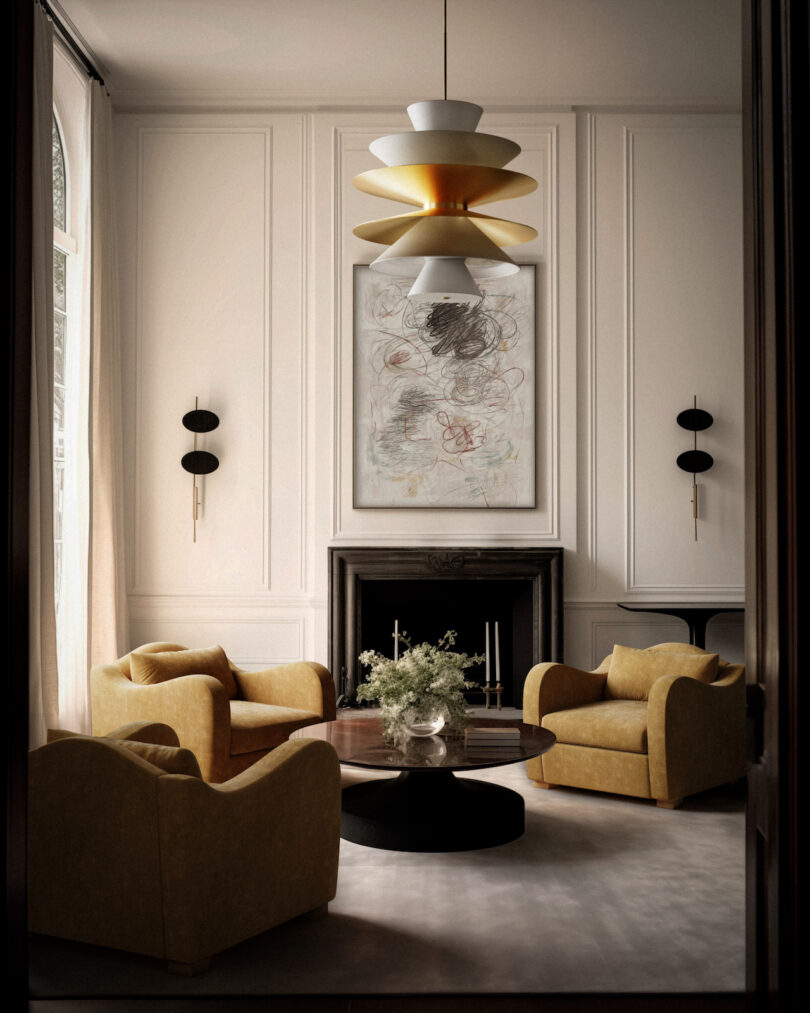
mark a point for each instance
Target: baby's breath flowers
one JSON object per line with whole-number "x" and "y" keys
{"x": 425, "y": 682}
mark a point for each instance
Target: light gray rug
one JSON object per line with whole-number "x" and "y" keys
{"x": 601, "y": 894}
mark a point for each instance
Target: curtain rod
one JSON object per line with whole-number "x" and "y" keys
{"x": 71, "y": 43}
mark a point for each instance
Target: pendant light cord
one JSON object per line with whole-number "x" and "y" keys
{"x": 445, "y": 50}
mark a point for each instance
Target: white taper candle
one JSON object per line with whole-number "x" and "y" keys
{"x": 497, "y": 656}
{"x": 486, "y": 649}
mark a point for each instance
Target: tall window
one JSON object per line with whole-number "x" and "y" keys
{"x": 71, "y": 386}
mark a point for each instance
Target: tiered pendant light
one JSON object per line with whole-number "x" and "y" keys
{"x": 445, "y": 168}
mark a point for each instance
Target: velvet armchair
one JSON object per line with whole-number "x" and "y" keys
{"x": 662, "y": 723}
{"x": 129, "y": 848}
{"x": 229, "y": 718}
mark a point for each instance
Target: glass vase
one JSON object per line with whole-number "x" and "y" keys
{"x": 419, "y": 725}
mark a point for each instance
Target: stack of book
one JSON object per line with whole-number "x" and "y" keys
{"x": 489, "y": 737}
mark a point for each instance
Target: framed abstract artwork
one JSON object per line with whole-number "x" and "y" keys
{"x": 444, "y": 396}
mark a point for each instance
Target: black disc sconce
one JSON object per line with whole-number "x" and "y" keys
{"x": 695, "y": 461}
{"x": 199, "y": 462}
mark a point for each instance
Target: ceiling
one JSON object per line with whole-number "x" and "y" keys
{"x": 326, "y": 53}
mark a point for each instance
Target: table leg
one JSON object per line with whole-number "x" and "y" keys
{"x": 431, "y": 811}
{"x": 697, "y": 630}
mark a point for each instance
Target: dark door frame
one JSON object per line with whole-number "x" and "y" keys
{"x": 16, "y": 366}
{"x": 776, "y": 312}
{"x": 776, "y": 101}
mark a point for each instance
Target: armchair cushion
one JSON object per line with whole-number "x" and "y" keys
{"x": 256, "y": 726}
{"x": 608, "y": 724}
{"x": 154, "y": 667}
{"x": 632, "y": 672}
{"x": 172, "y": 759}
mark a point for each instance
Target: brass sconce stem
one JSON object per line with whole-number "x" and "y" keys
{"x": 695, "y": 503}
{"x": 194, "y": 485}
{"x": 198, "y": 462}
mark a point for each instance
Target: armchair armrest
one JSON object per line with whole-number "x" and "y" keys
{"x": 554, "y": 687}
{"x": 256, "y": 850}
{"x": 304, "y": 685}
{"x": 195, "y": 706}
{"x": 695, "y": 733}
{"x": 151, "y": 732}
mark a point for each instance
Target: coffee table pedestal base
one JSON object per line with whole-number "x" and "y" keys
{"x": 431, "y": 810}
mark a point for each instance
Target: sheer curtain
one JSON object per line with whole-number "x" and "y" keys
{"x": 88, "y": 625}
{"x": 91, "y": 620}
{"x": 43, "y": 679}
{"x": 107, "y": 628}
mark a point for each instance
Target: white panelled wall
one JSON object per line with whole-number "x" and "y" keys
{"x": 660, "y": 320}
{"x": 214, "y": 219}
{"x": 236, "y": 277}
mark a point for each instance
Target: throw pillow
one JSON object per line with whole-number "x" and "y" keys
{"x": 149, "y": 669}
{"x": 632, "y": 671}
{"x": 171, "y": 759}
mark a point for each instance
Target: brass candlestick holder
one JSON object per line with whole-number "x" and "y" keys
{"x": 497, "y": 689}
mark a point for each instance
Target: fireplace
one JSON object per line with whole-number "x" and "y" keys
{"x": 431, "y": 590}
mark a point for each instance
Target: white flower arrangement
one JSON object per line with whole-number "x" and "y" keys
{"x": 426, "y": 681}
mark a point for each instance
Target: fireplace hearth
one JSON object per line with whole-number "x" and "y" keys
{"x": 430, "y": 590}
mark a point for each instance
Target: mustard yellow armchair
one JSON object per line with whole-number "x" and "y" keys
{"x": 662, "y": 723}
{"x": 229, "y": 718}
{"x": 129, "y": 848}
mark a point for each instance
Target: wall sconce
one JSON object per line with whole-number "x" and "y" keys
{"x": 199, "y": 462}
{"x": 697, "y": 461}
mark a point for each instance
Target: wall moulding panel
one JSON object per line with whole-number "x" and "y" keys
{"x": 214, "y": 301}
{"x": 684, "y": 304}
{"x": 194, "y": 606}
{"x": 548, "y": 155}
{"x": 660, "y": 302}
{"x": 256, "y": 631}
{"x": 249, "y": 644}
{"x": 592, "y": 629}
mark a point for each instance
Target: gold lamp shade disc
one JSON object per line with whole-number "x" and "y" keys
{"x": 460, "y": 185}
{"x": 441, "y": 237}
{"x": 500, "y": 231}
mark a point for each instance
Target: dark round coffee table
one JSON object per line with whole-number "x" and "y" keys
{"x": 426, "y": 807}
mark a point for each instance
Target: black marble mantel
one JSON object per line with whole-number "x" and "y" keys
{"x": 371, "y": 585}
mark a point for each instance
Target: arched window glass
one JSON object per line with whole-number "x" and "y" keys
{"x": 60, "y": 269}
{"x": 58, "y": 156}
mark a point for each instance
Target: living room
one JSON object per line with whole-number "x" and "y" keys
{"x": 237, "y": 130}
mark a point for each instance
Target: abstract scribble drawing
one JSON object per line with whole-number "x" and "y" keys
{"x": 444, "y": 396}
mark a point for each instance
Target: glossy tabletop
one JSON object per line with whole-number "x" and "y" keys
{"x": 359, "y": 743}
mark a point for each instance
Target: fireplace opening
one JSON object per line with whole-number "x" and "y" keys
{"x": 426, "y": 609}
{"x": 430, "y": 591}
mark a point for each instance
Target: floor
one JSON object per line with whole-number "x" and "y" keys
{"x": 601, "y": 894}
